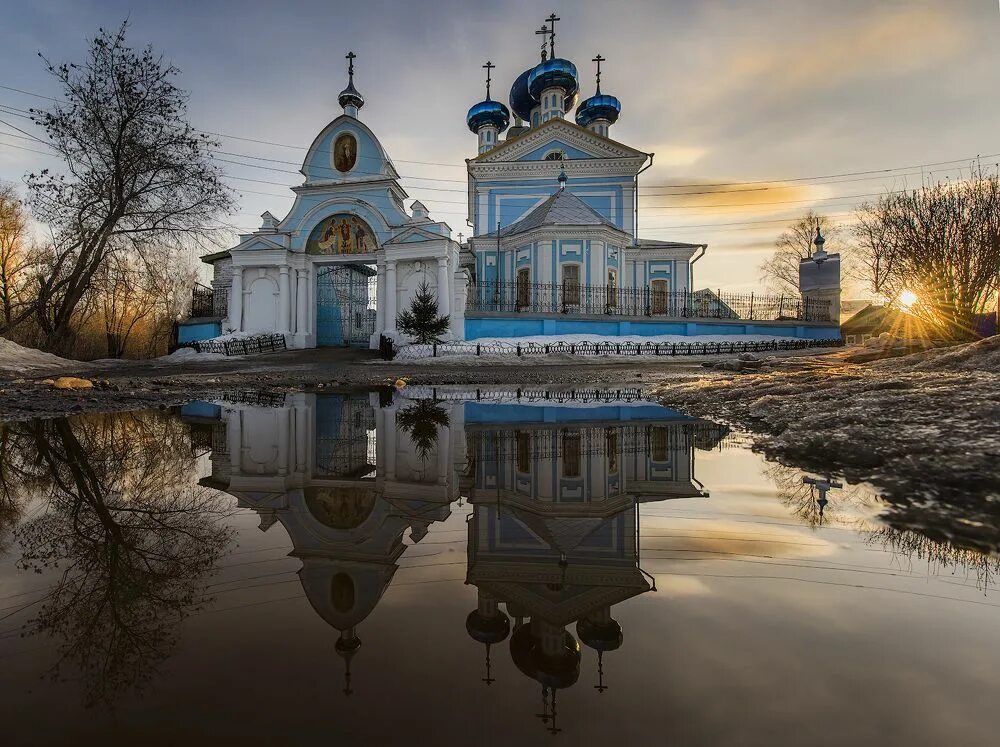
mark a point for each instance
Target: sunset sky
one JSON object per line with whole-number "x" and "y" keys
{"x": 774, "y": 92}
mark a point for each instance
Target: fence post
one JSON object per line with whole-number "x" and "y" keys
{"x": 751, "y": 305}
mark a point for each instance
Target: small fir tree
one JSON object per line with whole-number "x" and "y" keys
{"x": 421, "y": 321}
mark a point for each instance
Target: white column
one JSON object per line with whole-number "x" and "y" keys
{"x": 380, "y": 296}
{"x": 284, "y": 456}
{"x": 444, "y": 460}
{"x": 234, "y": 433}
{"x": 390, "y": 296}
{"x": 301, "y": 437}
{"x": 444, "y": 287}
{"x": 390, "y": 445}
{"x": 284, "y": 300}
{"x": 236, "y": 300}
{"x": 302, "y": 299}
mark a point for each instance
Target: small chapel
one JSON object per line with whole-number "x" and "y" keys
{"x": 554, "y": 250}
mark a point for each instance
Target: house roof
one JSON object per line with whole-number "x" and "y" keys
{"x": 654, "y": 244}
{"x": 873, "y": 317}
{"x": 563, "y": 208}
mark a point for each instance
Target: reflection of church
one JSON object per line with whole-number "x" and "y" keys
{"x": 555, "y": 491}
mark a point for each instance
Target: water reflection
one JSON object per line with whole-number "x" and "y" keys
{"x": 570, "y": 500}
{"x": 125, "y": 535}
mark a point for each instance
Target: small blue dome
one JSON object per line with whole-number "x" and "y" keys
{"x": 554, "y": 73}
{"x": 596, "y": 107}
{"x": 488, "y": 113}
{"x": 520, "y": 99}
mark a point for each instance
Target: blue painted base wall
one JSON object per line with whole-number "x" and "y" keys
{"x": 197, "y": 331}
{"x": 520, "y": 327}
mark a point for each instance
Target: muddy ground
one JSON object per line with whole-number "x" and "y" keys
{"x": 129, "y": 385}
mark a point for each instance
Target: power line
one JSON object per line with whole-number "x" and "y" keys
{"x": 870, "y": 172}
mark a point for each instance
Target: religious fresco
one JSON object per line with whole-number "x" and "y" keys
{"x": 341, "y": 234}
{"x": 345, "y": 152}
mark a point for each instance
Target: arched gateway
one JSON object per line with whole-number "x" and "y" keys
{"x": 338, "y": 268}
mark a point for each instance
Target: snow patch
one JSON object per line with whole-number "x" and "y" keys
{"x": 16, "y": 358}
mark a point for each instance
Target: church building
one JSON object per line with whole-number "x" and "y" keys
{"x": 553, "y": 203}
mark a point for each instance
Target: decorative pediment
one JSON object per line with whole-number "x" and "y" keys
{"x": 414, "y": 235}
{"x": 257, "y": 242}
{"x": 554, "y": 135}
{"x": 347, "y": 150}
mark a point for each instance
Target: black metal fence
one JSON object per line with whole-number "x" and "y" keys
{"x": 207, "y": 301}
{"x": 243, "y": 345}
{"x": 513, "y": 296}
{"x": 471, "y": 347}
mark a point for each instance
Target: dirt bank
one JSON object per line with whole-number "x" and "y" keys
{"x": 924, "y": 428}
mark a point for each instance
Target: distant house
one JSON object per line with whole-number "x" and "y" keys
{"x": 873, "y": 320}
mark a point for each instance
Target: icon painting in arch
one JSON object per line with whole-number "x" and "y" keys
{"x": 341, "y": 234}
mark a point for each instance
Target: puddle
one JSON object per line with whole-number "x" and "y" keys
{"x": 459, "y": 566}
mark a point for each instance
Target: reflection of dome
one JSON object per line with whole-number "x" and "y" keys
{"x": 552, "y": 671}
{"x": 487, "y": 629}
{"x": 520, "y": 99}
{"x": 554, "y": 73}
{"x": 601, "y": 106}
{"x": 340, "y": 507}
{"x": 488, "y": 113}
{"x": 605, "y": 636}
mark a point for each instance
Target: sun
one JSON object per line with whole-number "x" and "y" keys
{"x": 907, "y": 298}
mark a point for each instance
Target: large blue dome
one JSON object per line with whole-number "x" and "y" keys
{"x": 488, "y": 113}
{"x": 601, "y": 106}
{"x": 521, "y": 102}
{"x": 554, "y": 73}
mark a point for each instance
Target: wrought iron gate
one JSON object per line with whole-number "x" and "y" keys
{"x": 344, "y": 313}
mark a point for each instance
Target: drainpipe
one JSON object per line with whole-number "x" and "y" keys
{"x": 635, "y": 232}
{"x": 703, "y": 248}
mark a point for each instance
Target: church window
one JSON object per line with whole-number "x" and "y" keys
{"x": 534, "y": 119}
{"x": 555, "y": 155}
{"x": 523, "y": 287}
{"x": 523, "y": 439}
{"x": 660, "y": 292}
{"x": 658, "y": 443}
{"x": 571, "y": 285}
{"x": 611, "y": 449}
{"x": 571, "y": 453}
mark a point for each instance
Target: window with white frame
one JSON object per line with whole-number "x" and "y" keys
{"x": 571, "y": 284}
{"x": 660, "y": 296}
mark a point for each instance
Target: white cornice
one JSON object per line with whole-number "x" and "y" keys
{"x": 581, "y": 167}
{"x": 589, "y": 142}
{"x": 548, "y": 233}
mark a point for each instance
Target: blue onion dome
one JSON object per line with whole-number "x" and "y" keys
{"x": 520, "y": 99}
{"x": 602, "y": 636}
{"x": 488, "y": 113}
{"x": 350, "y": 96}
{"x": 487, "y": 629}
{"x": 554, "y": 73}
{"x": 600, "y": 106}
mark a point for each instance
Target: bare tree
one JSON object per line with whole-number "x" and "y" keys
{"x": 781, "y": 270}
{"x": 942, "y": 244}
{"x": 138, "y": 175}
{"x": 15, "y": 255}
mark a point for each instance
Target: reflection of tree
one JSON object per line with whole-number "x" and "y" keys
{"x": 801, "y": 498}
{"x": 939, "y": 555}
{"x": 421, "y": 421}
{"x": 131, "y": 535}
{"x": 891, "y": 531}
